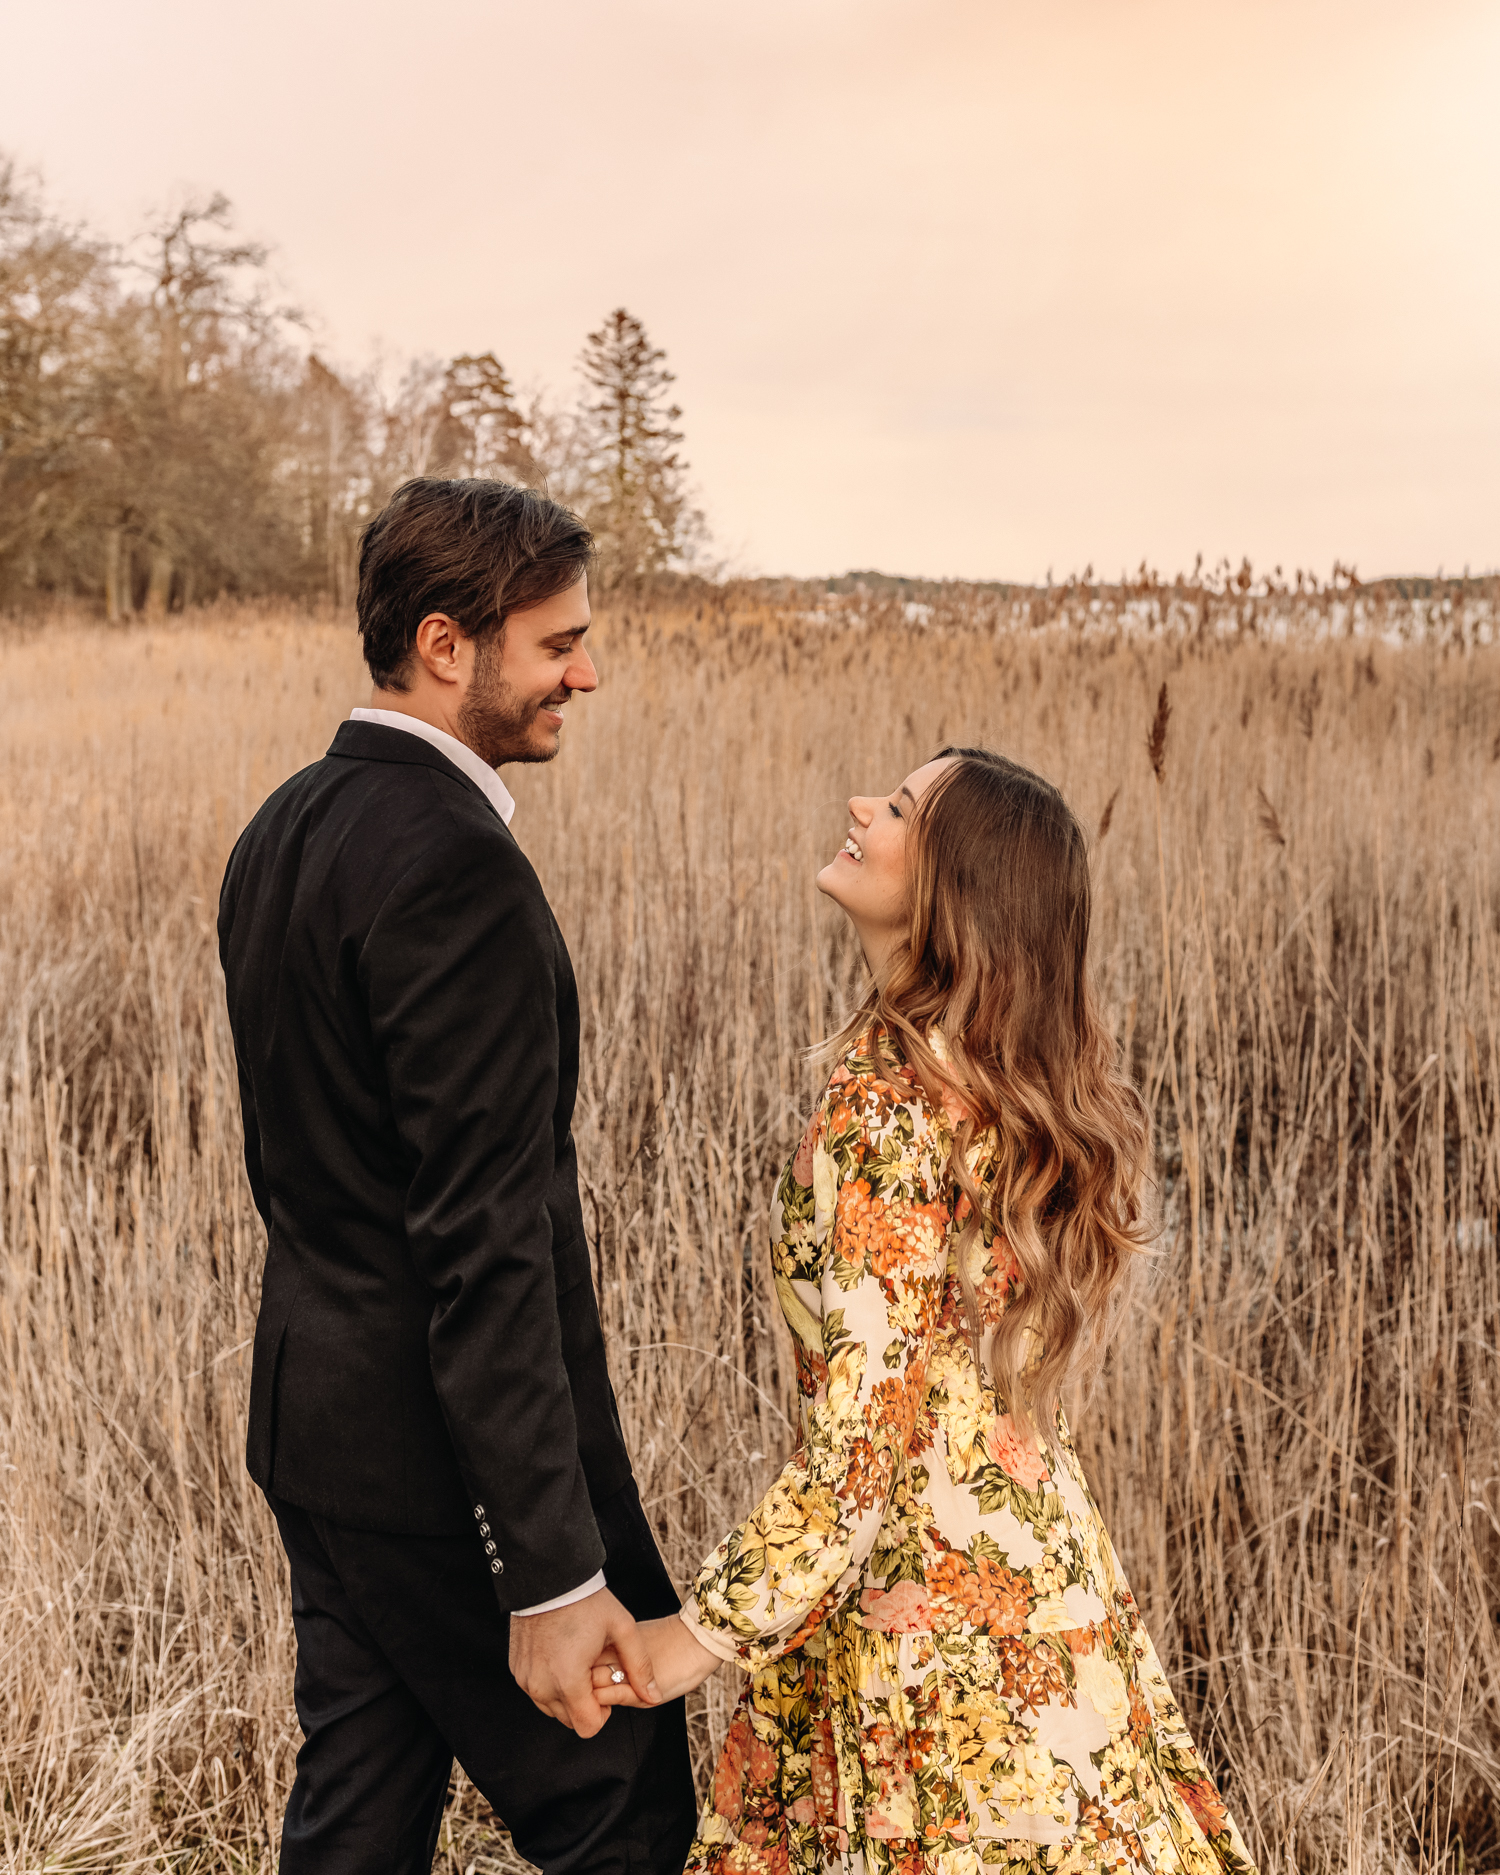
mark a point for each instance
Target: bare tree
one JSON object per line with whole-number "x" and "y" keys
{"x": 332, "y": 463}
{"x": 190, "y": 429}
{"x": 54, "y": 285}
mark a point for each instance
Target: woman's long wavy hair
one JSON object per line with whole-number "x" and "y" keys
{"x": 996, "y": 959}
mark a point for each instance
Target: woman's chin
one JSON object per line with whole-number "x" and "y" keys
{"x": 827, "y": 882}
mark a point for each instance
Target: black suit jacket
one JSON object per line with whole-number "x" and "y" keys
{"x": 428, "y": 1353}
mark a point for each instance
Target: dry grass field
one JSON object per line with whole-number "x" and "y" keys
{"x": 1297, "y": 1437}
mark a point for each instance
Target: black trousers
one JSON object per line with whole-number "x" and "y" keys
{"x": 403, "y": 1665}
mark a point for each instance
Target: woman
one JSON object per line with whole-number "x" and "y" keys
{"x": 947, "y": 1671}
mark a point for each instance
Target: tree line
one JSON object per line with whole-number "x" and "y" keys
{"x": 166, "y": 435}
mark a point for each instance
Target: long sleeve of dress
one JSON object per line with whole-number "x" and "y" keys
{"x": 862, "y": 1206}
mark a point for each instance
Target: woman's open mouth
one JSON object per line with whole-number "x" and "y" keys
{"x": 852, "y": 847}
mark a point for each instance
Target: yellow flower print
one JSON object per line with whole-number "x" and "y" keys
{"x": 1102, "y": 1684}
{"x": 907, "y": 1314}
{"x": 1117, "y": 1770}
{"x": 846, "y": 1373}
{"x": 1051, "y": 1615}
{"x": 825, "y": 1185}
{"x": 1030, "y": 1782}
{"x": 966, "y": 1419}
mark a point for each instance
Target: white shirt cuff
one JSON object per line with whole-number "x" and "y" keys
{"x": 591, "y": 1587}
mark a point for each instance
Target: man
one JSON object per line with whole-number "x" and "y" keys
{"x": 430, "y": 1412}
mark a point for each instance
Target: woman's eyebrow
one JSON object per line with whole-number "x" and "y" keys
{"x": 908, "y": 793}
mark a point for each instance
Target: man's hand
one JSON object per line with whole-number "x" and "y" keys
{"x": 551, "y": 1657}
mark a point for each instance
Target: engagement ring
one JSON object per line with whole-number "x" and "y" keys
{"x": 617, "y": 1677}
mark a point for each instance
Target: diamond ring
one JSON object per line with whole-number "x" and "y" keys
{"x": 617, "y": 1678}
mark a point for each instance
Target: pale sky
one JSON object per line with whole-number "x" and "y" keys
{"x": 965, "y": 288}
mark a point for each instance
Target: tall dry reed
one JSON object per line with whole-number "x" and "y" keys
{"x": 1297, "y": 1438}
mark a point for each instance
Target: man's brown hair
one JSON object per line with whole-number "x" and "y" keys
{"x": 474, "y": 550}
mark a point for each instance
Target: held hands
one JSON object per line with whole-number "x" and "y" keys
{"x": 681, "y": 1660}
{"x": 551, "y": 1656}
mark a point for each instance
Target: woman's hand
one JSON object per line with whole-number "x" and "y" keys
{"x": 679, "y": 1659}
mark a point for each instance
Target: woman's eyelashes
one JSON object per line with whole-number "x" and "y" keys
{"x": 894, "y": 809}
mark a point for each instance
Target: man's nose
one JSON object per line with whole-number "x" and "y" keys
{"x": 580, "y": 674}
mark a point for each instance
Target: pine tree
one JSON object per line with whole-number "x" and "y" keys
{"x": 639, "y": 507}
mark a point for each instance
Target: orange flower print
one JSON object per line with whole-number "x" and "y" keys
{"x": 896, "y": 1403}
{"x": 1140, "y": 1714}
{"x": 825, "y": 1774}
{"x": 856, "y": 1218}
{"x": 901, "y": 1238}
{"x": 1000, "y": 1281}
{"x": 1014, "y": 1451}
{"x": 762, "y": 1762}
{"x": 812, "y": 1370}
{"x": 865, "y": 1481}
{"x": 729, "y": 1776}
{"x": 1206, "y": 1805}
{"x": 990, "y": 1596}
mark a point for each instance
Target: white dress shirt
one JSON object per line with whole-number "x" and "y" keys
{"x": 459, "y": 753}
{"x": 499, "y": 796}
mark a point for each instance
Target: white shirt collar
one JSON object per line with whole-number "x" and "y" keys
{"x": 459, "y": 753}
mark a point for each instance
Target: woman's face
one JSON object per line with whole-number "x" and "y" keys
{"x": 868, "y": 877}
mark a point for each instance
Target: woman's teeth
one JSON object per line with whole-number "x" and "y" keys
{"x": 853, "y": 849}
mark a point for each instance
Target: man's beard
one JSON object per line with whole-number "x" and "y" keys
{"x": 494, "y": 719}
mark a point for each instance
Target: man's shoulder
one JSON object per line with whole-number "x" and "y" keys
{"x": 380, "y": 820}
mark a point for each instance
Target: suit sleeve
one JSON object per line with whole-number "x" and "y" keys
{"x": 459, "y": 969}
{"x": 250, "y": 1122}
{"x": 249, "y": 1117}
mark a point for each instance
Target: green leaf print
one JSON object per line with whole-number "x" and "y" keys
{"x": 797, "y": 1204}
{"x": 847, "y": 1275}
{"x": 996, "y": 1490}
{"x": 835, "y": 1335}
{"x": 739, "y": 1577}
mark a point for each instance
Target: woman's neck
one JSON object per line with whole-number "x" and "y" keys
{"x": 880, "y": 949}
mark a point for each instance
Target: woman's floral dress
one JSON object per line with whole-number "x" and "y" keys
{"x": 947, "y": 1671}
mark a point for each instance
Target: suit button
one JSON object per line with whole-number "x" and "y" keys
{"x": 497, "y": 1567}
{"x": 489, "y": 1549}
{"x": 484, "y": 1529}
{"x": 479, "y": 1513}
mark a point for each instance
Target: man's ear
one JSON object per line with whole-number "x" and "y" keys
{"x": 440, "y": 644}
